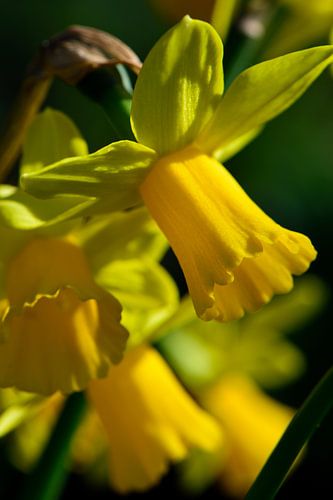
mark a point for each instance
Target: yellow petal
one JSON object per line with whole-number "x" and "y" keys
{"x": 148, "y": 294}
{"x": 253, "y": 424}
{"x": 60, "y": 329}
{"x": 123, "y": 235}
{"x": 260, "y": 93}
{"x": 178, "y": 87}
{"x": 222, "y": 239}
{"x": 51, "y": 137}
{"x": 16, "y": 407}
{"x": 150, "y": 420}
{"x": 111, "y": 175}
{"x": 222, "y": 16}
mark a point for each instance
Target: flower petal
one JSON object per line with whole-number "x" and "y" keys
{"x": 19, "y": 210}
{"x": 178, "y": 87}
{"x": 124, "y": 235}
{"x": 111, "y": 175}
{"x": 150, "y": 420}
{"x": 260, "y": 93}
{"x": 51, "y": 137}
{"x": 222, "y": 239}
{"x": 60, "y": 329}
{"x": 16, "y": 407}
{"x": 148, "y": 294}
{"x": 253, "y": 424}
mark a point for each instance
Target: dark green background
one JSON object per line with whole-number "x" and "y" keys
{"x": 288, "y": 171}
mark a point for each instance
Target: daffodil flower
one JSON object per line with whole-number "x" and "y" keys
{"x": 139, "y": 415}
{"x": 226, "y": 366}
{"x": 149, "y": 420}
{"x": 258, "y": 346}
{"x": 59, "y": 315}
{"x": 234, "y": 256}
{"x": 60, "y": 325}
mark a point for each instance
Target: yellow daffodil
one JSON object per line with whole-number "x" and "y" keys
{"x": 149, "y": 420}
{"x": 60, "y": 320}
{"x": 256, "y": 345}
{"x": 226, "y": 365}
{"x": 141, "y": 417}
{"x": 234, "y": 256}
{"x": 59, "y": 328}
{"x": 60, "y": 325}
{"x": 144, "y": 418}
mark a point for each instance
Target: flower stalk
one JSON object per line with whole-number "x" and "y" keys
{"x": 302, "y": 427}
{"x": 49, "y": 476}
{"x": 108, "y": 90}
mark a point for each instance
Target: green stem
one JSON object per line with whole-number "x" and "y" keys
{"x": 107, "y": 89}
{"x": 306, "y": 421}
{"x": 49, "y": 476}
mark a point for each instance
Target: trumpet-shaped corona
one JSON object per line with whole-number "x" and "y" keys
{"x": 58, "y": 328}
{"x": 149, "y": 419}
{"x": 233, "y": 255}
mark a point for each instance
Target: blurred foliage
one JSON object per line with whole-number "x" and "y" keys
{"x": 287, "y": 170}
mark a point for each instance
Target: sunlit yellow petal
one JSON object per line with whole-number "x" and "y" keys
{"x": 253, "y": 423}
{"x": 228, "y": 151}
{"x": 149, "y": 419}
{"x": 260, "y": 93}
{"x": 222, "y": 239}
{"x": 111, "y": 175}
{"x": 173, "y": 103}
{"x": 60, "y": 329}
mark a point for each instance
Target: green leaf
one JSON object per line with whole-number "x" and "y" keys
{"x": 178, "y": 86}
{"x": 262, "y": 92}
{"x": 304, "y": 424}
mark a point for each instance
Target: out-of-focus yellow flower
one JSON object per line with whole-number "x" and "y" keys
{"x": 139, "y": 412}
{"x": 59, "y": 328}
{"x": 258, "y": 346}
{"x": 149, "y": 420}
{"x": 305, "y": 23}
{"x": 226, "y": 365}
{"x": 234, "y": 257}
{"x": 60, "y": 321}
{"x": 252, "y": 423}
